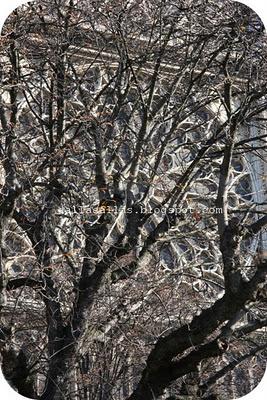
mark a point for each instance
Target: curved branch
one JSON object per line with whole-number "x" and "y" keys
{"x": 161, "y": 371}
{"x": 20, "y": 282}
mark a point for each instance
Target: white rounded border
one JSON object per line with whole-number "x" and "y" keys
{"x": 6, "y": 8}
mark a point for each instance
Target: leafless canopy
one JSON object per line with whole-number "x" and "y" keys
{"x": 132, "y": 199}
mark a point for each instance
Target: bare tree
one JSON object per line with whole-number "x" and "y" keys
{"x": 132, "y": 199}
